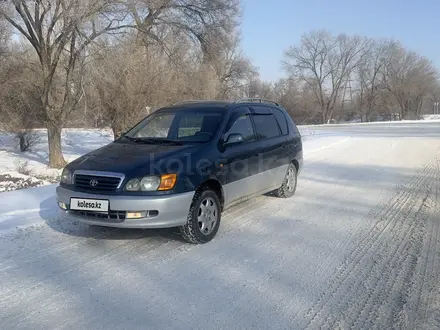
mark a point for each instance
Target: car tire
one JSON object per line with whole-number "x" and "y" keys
{"x": 203, "y": 218}
{"x": 288, "y": 188}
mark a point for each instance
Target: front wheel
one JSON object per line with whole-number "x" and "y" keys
{"x": 288, "y": 187}
{"x": 203, "y": 218}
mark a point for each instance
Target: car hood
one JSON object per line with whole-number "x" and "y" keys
{"x": 131, "y": 159}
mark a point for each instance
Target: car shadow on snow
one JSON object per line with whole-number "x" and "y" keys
{"x": 50, "y": 213}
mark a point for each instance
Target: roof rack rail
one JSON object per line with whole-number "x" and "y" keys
{"x": 258, "y": 99}
{"x": 189, "y": 101}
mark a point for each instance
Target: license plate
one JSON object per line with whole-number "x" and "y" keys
{"x": 83, "y": 204}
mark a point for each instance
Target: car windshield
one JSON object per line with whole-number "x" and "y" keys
{"x": 177, "y": 126}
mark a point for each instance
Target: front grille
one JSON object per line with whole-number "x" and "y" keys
{"x": 115, "y": 216}
{"x": 97, "y": 183}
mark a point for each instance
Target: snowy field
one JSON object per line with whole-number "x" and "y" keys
{"x": 356, "y": 247}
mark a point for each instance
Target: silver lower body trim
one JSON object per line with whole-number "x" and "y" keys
{"x": 172, "y": 209}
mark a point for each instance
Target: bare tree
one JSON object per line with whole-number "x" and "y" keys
{"x": 259, "y": 88}
{"x": 20, "y": 104}
{"x": 409, "y": 78}
{"x": 324, "y": 63}
{"x": 434, "y": 97}
{"x": 59, "y": 31}
{"x": 234, "y": 72}
{"x": 370, "y": 75}
{"x": 209, "y": 23}
{"x": 126, "y": 80}
{"x": 5, "y": 34}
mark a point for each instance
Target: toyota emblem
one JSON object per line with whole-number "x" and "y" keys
{"x": 93, "y": 183}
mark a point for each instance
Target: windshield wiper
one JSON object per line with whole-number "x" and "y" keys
{"x": 164, "y": 141}
{"x": 153, "y": 141}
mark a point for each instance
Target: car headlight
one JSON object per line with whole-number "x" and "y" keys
{"x": 152, "y": 183}
{"x": 66, "y": 177}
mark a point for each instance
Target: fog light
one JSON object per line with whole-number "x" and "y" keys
{"x": 62, "y": 205}
{"x": 136, "y": 215}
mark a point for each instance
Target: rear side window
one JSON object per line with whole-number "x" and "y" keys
{"x": 281, "y": 118}
{"x": 266, "y": 126}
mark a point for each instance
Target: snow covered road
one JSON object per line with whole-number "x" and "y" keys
{"x": 357, "y": 247}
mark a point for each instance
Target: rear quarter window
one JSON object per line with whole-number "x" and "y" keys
{"x": 281, "y": 118}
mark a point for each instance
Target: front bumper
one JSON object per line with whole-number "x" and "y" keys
{"x": 172, "y": 209}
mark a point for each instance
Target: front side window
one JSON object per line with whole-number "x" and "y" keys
{"x": 178, "y": 125}
{"x": 243, "y": 126}
{"x": 266, "y": 126}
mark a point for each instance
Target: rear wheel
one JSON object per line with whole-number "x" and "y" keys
{"x": 288, "y": 187}
{"x": 203, "y": 218}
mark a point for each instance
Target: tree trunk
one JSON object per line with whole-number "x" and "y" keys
{"x": 419, "y": 108}
{"x": 56, "y": 159}
{"x": 363, "y": 115}
{"x": 324, "y": 115}
{"x": 23, "y": 144}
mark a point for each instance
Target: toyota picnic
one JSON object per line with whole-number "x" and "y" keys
{"x": 183, "y": 165}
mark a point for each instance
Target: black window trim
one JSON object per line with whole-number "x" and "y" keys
{"x": 284, "y": 116}
{"x": 241, "y": 111}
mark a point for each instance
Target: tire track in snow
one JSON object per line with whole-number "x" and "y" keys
{"x": 418, "y": 284}
{"x": 386, "y": 220}
{"x": 394, "y": 270}
{"x": 346, "y": 298}
{"x": 410, "y": 258}
{"x": 344, "y": 268}
{"x": 429, "y": 291}
{"x": 417, "y": 287}
{"x": 381, "y": 282}
{"x": 332, "y": 255}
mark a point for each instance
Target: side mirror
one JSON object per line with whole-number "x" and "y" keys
{"x": 234, "y": 138}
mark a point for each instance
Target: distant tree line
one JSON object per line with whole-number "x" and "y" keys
{"x": 108, "y": 63}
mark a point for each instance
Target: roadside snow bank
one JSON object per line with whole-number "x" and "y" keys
{"x": 29, "y": 169}
{"x": 14, "y": 181}
{"x": 433, "y": 119}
